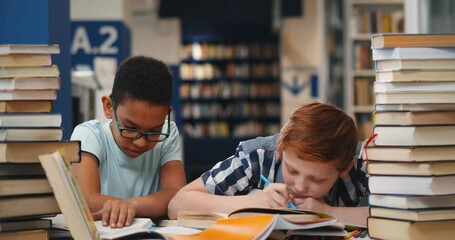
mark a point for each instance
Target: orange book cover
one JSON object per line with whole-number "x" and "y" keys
{"x": 254, "y": 227}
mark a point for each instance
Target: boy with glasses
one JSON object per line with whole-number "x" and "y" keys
{"x": 131, "y": 166}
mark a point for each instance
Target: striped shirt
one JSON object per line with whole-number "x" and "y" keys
{"x": 240, "y": 173}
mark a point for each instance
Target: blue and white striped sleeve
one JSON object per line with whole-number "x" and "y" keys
{"x": 238, "y": 174}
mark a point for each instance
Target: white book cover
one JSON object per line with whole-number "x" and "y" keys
{"x": 386, "y": 87}
{"x": 411, "y": 185}
{"x": 414, "y": 53}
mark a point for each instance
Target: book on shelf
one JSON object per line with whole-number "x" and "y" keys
{"x": 23, "y": 170}
{"x": 437, "y": 168}
{"x": 24, "y": 186}
{"x": 415, "y": 75}
{"x": 25, "y": 106}
{"x": 414, "y": 135}
{"x": 68, "y": 195}
{"x": 398, "y": 64}
{"x": 409, "y": 153}
{"x": 415, "y": 118}
{"x": 31, "y": 133}
{"x": 414, "y": 53}
{"x": 415, "y": 107}
{"x": 363, "y": 94}
{"x": 29, "y": 71}
{"x": 411, "y": 185}
{"x": 412, "y": 201}
{"x": 38, "y": 234}
{"x": 401, "y": 87}
{"x": 384, "y": 228}
{"x": 413, "y": 215}
{"x": 28, "y": 95}
{"x": 384, "y": 40}
{"x": 29, "y": 83}
{"x": 25, "y": 224}
{"x": 30, "y": 120}
{"x": 415, "y": 97}
{"x": 29, "y": 48}
{"x": 28, "y": 206}
{"x": 22, "y": 60}
{"x": 27, "y": 151}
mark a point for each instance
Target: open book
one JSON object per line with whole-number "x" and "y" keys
{"x": 286, "y": 219}
{"x": 139, "y": 225}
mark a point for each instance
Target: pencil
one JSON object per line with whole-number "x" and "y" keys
{"x": 291, "y": 205}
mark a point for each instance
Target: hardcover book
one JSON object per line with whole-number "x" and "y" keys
{"x": 383, "y": 228}
{"x": 414, "y": 53}
{"x": 29, "y": 48}
{"x": 384, "y": 40}
{"x": 414, "y": 135}
{"x": 412, "y": 185}
{"x": 413, "y": 201}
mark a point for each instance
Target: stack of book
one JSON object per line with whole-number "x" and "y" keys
{"x": 28, "y": 85}
{"x": 411, "y": 162}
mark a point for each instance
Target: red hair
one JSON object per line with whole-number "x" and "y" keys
{"x": 319, "y": 132}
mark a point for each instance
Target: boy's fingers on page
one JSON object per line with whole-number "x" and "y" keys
{"x": 121, "y": 217}
{"x": 106, "y": 213}
{"x": 130, "y": 215}
{"x": 122, "y": 220}
{"x": 114, "y": 216}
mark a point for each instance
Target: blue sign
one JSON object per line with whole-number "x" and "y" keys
{"x": 90, "y": 39}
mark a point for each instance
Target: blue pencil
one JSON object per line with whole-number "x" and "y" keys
{"x": 291, "y": 205}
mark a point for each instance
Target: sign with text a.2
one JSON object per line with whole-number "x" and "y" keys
{"x": 90, "y": 39}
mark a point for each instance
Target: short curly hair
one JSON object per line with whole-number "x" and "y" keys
{"x": 143, "y": 78}
{"x": 319, "y": 132}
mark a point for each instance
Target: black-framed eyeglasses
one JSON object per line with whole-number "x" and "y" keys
{"x": 152, "y": 136}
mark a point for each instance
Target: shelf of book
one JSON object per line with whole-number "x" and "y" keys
{"x": 229, "y": 89}
{"x": 364, "y": 18}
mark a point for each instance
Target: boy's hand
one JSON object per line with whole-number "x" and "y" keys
{"x": 116, "y": 213}
{"x": 274, "y": 195}
{"x": 312, "y": 204}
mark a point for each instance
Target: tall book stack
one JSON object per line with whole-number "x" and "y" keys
{"x": 411, "y": 161}
{"x": 28, "y": 85}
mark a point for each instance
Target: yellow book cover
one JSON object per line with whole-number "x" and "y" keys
{"x": 69, "y": 197}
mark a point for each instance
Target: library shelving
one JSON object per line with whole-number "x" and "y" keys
{"x": 334, "y": 32}
{"x": 229, "y": 89}
{"x": 364, "y": 18}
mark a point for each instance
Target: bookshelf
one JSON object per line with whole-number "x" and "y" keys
{"x": 334, "y": 32}
{"x": 229, "y": 89}
{"x": 363, "y": 18}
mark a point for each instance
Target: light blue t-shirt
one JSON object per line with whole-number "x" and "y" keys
{"x": 120, "y": 175}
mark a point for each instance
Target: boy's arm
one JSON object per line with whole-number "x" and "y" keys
{"x": 351, "y": 215}
{"x": 347, "y": 215}
{"x": 172, "y": 178}
{"x": 195, "y": 197}
{"x": 86, "y": 172}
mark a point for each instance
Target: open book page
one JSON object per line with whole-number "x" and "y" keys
{"x": 288, "y": 218}
{"x": 198, "y": 219}
{"x": 139, "y": 225}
